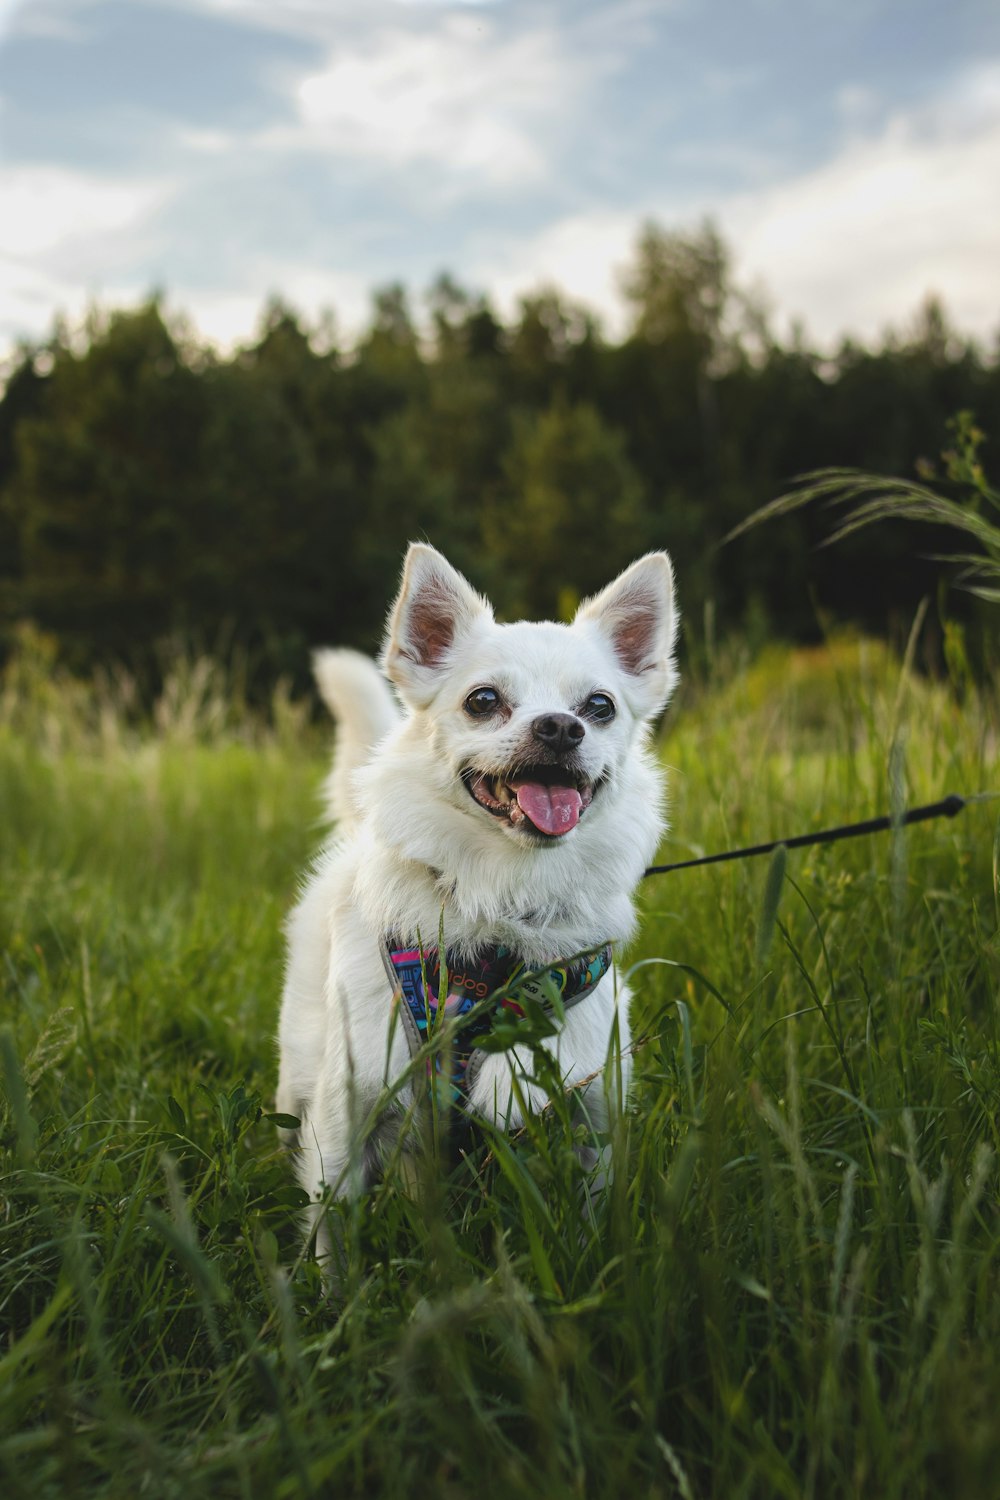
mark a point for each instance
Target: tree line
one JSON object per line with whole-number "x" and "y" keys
{"x": 152, "y": 489}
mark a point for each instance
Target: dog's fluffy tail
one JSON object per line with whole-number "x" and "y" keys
{"x": 361, "y": 701}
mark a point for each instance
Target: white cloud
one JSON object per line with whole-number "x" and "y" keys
{"x": 227, "y": 318}
{"x": 31, "y": 297}
{"x": 52, "y": 209}
{"x": 580, "y": 255}
{"x": 458, "y": 96}
{"x": 65, "y": 239}
{"x": 232, "y": 318}
{"x": 321, "y": 17}
{"x": 858, "y": 243}
{"x": 28, "y": 300}
{"x": 58, "y": 20}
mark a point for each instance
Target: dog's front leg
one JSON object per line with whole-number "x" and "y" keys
{"x": 601, "y": 1099}
{"x": 334, "y": 1160}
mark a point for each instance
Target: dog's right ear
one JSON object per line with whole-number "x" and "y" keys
{"x": 434, "y": 607}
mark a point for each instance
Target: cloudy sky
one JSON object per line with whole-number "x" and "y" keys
{"x": 224, "y": 150}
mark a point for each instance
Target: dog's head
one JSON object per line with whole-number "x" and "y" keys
{"x": 531, "y": 724}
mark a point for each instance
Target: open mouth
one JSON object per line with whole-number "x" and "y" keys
{"x": 538, "y": 799}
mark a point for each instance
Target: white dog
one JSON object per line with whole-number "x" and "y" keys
{"x": 513, "y": 805}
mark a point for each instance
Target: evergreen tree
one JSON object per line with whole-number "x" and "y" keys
{"x": 572, "y": 511}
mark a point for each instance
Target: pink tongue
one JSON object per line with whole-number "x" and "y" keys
{"x": 552, "y": 809}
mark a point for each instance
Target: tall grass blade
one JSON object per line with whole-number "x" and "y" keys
{"x": 770, "y": 903}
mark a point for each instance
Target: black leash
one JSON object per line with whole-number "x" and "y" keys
{"x": 946, "y": 808}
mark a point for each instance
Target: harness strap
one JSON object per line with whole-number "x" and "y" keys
{"x": 496, "y": 973}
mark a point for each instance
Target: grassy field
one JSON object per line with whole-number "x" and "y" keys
{"x": 792, "y": 1286}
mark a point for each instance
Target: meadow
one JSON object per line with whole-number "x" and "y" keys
{"x": 791, "y": 1287}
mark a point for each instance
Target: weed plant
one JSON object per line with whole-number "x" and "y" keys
{"x": 789, "y": 1287}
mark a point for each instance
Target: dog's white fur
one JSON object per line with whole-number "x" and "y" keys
{"x": 412, "y": 847}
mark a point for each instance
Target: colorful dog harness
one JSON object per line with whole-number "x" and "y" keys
{"x": 498, "y": 974}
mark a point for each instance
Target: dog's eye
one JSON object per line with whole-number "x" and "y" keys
{"x": 482, "y": 701}
{"x": 599, "y": 707}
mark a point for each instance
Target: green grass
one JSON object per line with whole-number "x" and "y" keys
{"x": 791, "y": 1286}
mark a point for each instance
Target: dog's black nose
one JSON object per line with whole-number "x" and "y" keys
{"x": 558, "y": 732}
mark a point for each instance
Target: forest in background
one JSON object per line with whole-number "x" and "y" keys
{"x": 152, "y": 490}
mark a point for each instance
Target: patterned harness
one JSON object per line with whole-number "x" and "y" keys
{"x": 499, "y": 974}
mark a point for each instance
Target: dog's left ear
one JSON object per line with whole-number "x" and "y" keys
{"x": 636, "y": 615}
{"x": 434, "y": 608}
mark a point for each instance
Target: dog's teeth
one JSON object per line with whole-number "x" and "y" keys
{"x": 503, "y": 792}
